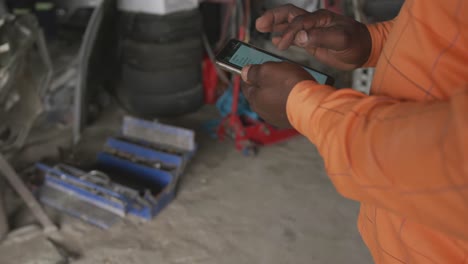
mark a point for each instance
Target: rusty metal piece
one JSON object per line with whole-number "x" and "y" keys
{"x": 15, "y": 181}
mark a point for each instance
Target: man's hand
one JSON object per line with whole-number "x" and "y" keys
{"x": 335, "y": 40}
{"x": 267, "y": 87}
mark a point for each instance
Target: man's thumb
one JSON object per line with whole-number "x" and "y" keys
{"x": 333, "y": 38}
{"x": 245, "y": 73}
{"x": 251, "y": 74}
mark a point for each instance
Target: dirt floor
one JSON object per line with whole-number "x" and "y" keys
{"x": 276, "y": 208}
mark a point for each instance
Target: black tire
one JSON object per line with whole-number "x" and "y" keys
{"x": 152, "y": 105}
{"x": 382, "y": 10}
{"x": 160, "y": 82}
{"x": 154, "y": 57}
{"x": 161, "y": 28}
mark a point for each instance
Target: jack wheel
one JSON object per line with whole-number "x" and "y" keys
{"x": 250, "y": 151}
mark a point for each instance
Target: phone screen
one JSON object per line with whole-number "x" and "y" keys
{"x": 244, "y": 55}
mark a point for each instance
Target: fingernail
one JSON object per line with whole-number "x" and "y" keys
{"x": 259, "y": 24}
{"x": 245, "y": 73}
{"x": 302, "y": 38}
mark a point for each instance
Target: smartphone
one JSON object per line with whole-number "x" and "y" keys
{"x": 237, "y": 54}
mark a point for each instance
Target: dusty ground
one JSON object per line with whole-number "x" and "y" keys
{"x": 277, "y": 208}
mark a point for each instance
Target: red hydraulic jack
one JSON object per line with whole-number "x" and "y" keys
{"x": 248, "y": 133}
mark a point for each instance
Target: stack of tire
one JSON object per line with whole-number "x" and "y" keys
{"x": 160, "y": 63}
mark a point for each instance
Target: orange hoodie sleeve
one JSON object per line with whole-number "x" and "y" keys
{"x": 408, "y": 157}
{"x": 379, "y": 33}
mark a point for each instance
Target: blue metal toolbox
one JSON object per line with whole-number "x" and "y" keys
{"x": 134, "y": 175}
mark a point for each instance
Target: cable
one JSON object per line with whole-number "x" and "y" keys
{"x": 248, "y": 20}
{"x": 224, "y": 28}
{"x": 212, "y": 57}
{"x": 241, "y": 20}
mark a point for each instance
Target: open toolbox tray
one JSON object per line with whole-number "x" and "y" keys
{"x": 133, "y": 176}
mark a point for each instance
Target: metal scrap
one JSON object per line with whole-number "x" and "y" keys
{"x": 23, "y": 80}
{"x": 15, "y": 181}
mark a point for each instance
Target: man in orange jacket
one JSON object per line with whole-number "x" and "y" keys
{"x": 402, "y": 152}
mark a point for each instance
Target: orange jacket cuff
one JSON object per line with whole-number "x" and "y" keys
{"x": 302, "y": 100}
{"x": 376, "y": 48}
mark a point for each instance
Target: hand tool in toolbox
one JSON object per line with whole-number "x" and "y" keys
{"x": 157, "y": 164}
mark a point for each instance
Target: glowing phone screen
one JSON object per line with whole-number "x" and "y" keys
{"x": 245, "y": 55}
